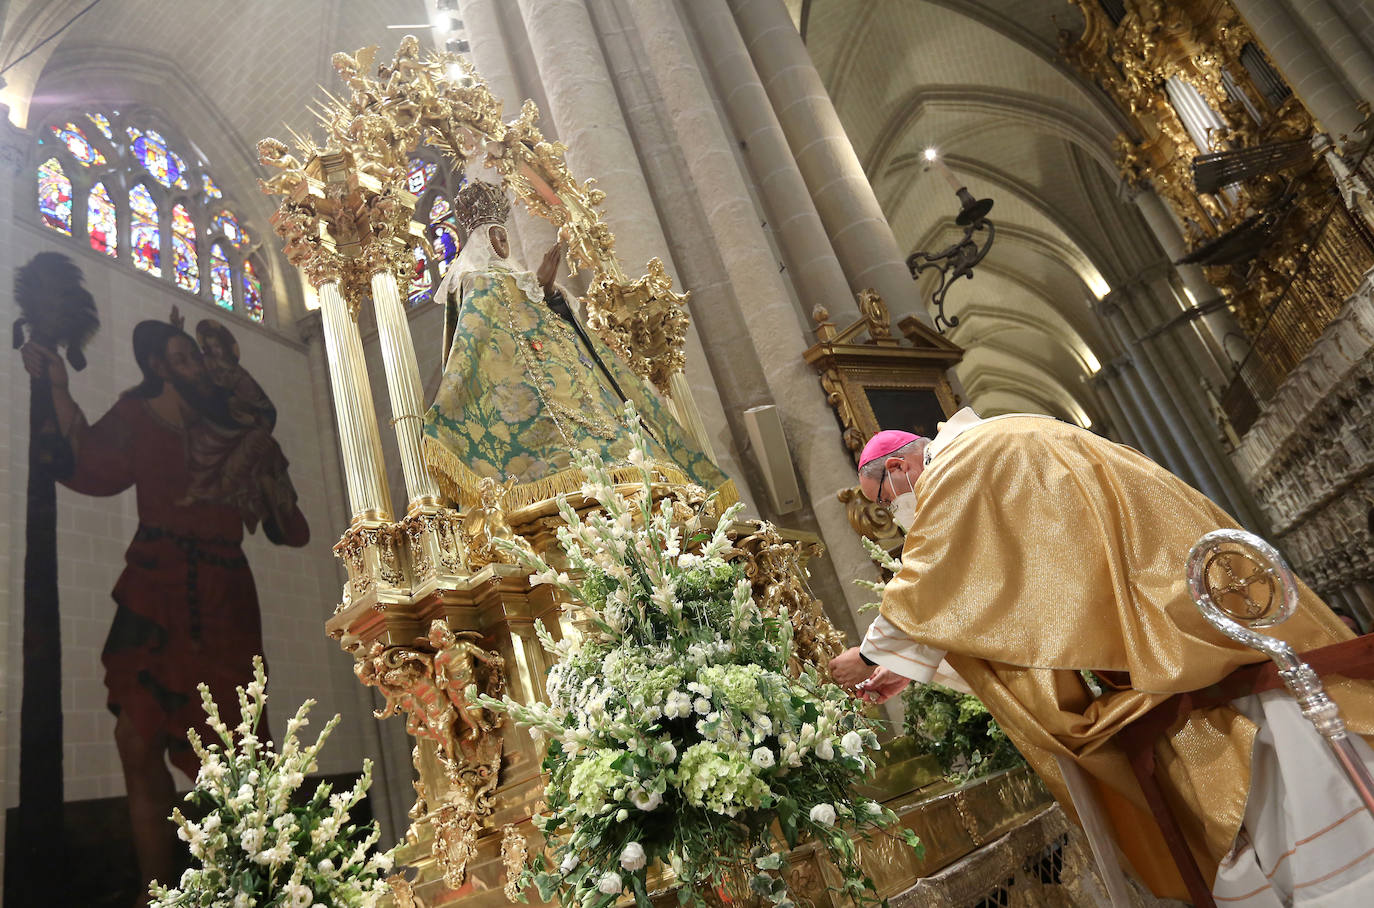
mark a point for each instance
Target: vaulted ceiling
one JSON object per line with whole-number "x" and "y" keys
{"x": 981, "y": 81}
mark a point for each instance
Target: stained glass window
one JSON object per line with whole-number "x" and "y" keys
{"x": 420, "y": 282}
{"x": 70, "y": 135}
{"x": 221, "y": 278}
{"x": 226, "y": 224}
{"x": 102, "y": 123}
{"x": 211, "y": 190}
{"x": 439, "y": 210}
{"x": 55, "y": 196}
{"x": 101, "y": 223}
{"x": 150, "y": 148}
{"x": 252, "y": 292}
{"x": 144, "y": 238}
{"x": 185, "y": 267}
{"x": 446, "y": 241}
{"x": 421, "y": 172}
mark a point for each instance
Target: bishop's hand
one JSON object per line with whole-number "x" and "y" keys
{"x": 548, "y": 268}
{"x": 848, "y": 668}
{"x": 882, "y": 686}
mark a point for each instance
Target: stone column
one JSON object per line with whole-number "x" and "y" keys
{"x": 584, "y": 106}
{"x": 1221, "y": 328}
{"x": 492, "y": 56}
{"x": 858, "y": 229}
{"x": 353, "y": 409}
{"x": 1302, "y": 64}
{"x": 1156, "y": 293}
{"x": 1338, "y": 38}
{"x": 777, "y": 334}
{"x": 1150, "y": 395}
{"x": 1125, "y": 428}
{"x": 403, "y": 386}
{"x": 1160, "y": 444}
{"x": 816, "y": 273}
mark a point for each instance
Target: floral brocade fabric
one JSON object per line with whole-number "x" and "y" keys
{"x": 521, "y": 390}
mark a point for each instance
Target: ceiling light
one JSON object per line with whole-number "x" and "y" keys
{"x": 931, "y": 154}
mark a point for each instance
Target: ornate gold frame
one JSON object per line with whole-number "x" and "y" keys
{"x": 864, "y": 356}
{"x": 850, "y": 367}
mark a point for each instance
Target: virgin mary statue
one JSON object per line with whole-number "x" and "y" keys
{"x": 525, "y": 384}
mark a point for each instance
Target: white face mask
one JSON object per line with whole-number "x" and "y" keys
{"x": 903, "y": 507}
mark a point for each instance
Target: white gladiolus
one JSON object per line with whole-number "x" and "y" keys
{"x": 632, "y": 856}
{"x": 853, "y": 743}
{"x": 609, "y": 883}
{"x": 569, "y": 863}
{"x": 824, "y": 814}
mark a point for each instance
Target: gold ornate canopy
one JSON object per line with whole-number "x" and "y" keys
{"x": 351, "y": 191}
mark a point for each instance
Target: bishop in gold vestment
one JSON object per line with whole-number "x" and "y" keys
{"x": 1035, "y": 550}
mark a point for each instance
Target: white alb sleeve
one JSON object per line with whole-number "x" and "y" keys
{"x": 894, "y": 650}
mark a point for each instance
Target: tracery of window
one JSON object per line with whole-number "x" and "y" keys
{"x": 101, "y": 221}
{"x": 124, "y": 187}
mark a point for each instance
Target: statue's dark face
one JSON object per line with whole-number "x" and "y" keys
{"x": 500, "y": 243}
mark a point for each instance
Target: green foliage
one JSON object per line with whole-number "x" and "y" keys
{"x": 958, "y": 731}
{"x": 257, "y": 850}
{"x": 676, "y": 731}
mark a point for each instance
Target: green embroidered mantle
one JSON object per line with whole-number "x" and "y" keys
{"x": 520, "y": 390}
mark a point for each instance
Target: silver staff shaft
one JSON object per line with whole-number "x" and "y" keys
{"x": 1304, "y": 683}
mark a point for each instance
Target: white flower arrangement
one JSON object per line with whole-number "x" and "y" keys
{"x": 258, "y": 849}
{"x": 675, "y": 732}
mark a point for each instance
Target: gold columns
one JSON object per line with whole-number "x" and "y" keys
{"x": 403, "y": 385}
{"x": 357, "y": 417}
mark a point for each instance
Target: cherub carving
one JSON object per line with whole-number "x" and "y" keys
{"x": 462, "y": 669}
{"x": 274, "y": 153}
{"x": 485, "y": 523}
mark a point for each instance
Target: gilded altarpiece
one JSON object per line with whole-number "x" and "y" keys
{"x": 1291, "y": 214}
{"x": 433, "y": 610}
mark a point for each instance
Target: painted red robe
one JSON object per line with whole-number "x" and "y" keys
{"x": 186, "y": 605}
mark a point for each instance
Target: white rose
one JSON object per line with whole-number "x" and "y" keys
{"x": 609, "y": 883}
{"x": 299, "y": 896}
{"x": 825, "y": 749}
{"x": 762, "y": 757}
{"x": 646, "y": 801}
{"x": 632, "y": 856}
{"x": 873, "y": 807}
{"x": 569, "y": 863}
{"x": 824, "y": 814}
{"x": 665, "y": 752}
{"x": 853, "y": 743}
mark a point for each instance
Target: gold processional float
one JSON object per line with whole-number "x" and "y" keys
{"x": 431, "y": 611}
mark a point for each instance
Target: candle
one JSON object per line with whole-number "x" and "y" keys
{"x": 948, "y": 174}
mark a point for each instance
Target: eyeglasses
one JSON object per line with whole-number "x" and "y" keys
{"x": 884, "y": 479}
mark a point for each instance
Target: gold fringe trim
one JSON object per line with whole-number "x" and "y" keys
{"x": 459, "y": 483}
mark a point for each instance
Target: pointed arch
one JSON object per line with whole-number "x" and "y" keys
{"x": 102, "y": 221}
{"x": 55, "y": 196}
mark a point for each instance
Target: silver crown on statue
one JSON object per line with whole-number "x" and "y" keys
{"x": 480, "y": 203}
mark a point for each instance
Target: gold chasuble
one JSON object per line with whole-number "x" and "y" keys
{"x": 1039, "y": 549}
{"x": 521, "y": 389}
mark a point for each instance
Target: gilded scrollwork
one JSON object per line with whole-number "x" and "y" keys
{"x": 434, "y": 683}
{"x": 777, "y": 569}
